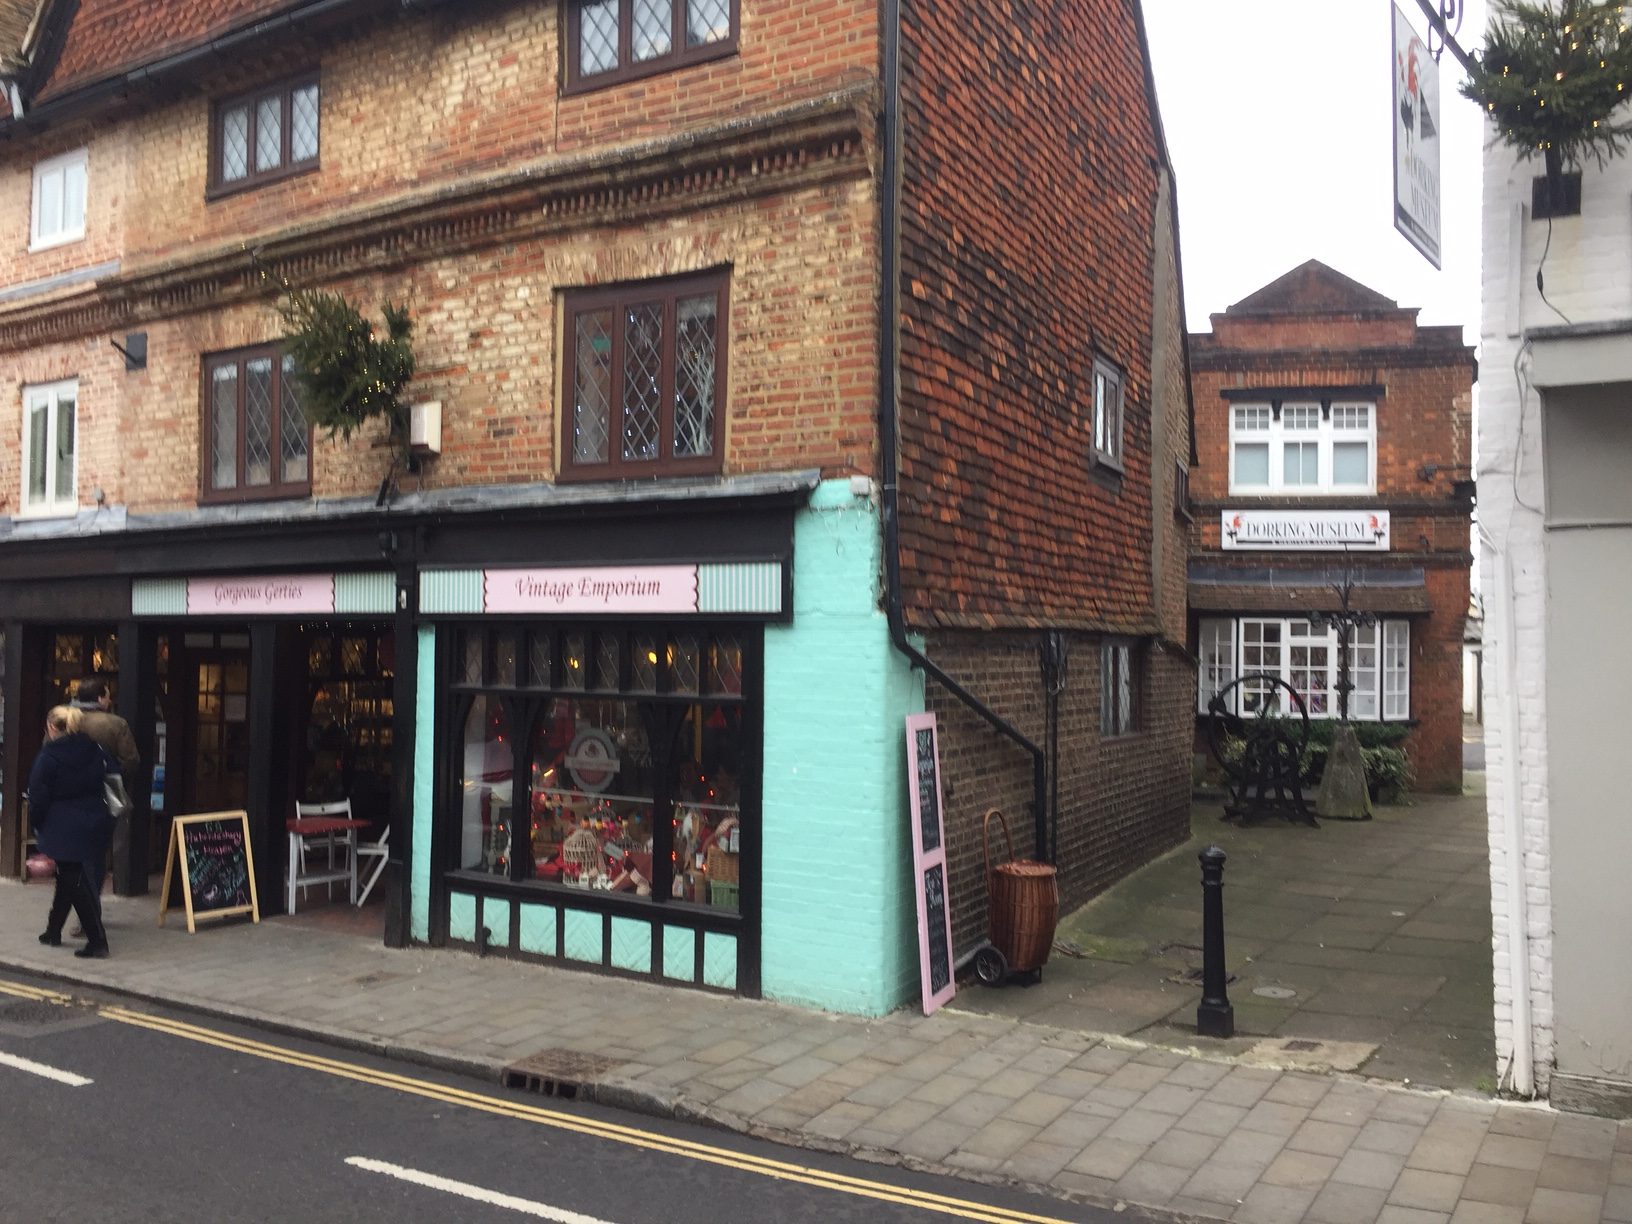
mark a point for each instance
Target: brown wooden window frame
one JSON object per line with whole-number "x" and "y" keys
{"x": 574, "y": 80}
{"x": 1121, "y": 668}
{"x": 620, "y": 298}
{"x": 276, "y": 489}
{"x": 284, "y": 91}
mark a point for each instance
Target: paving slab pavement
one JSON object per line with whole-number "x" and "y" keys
{"x": 1074, "y": 1114}
{"x": 1371, "y": 937}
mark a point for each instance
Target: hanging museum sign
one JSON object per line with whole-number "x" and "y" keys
{"x": 1416, "y": 140}
{"x": 1305, "y": 530}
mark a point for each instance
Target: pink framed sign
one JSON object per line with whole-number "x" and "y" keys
{"x": 929, "y": 862}
{"x": 635, "y": 589}
{"x": 260, "y": 596}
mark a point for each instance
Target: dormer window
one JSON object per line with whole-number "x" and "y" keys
{"x": 618, "y": 40}
{"x": 267, "y": 135}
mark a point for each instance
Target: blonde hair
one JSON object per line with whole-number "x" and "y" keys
{"x": 64, "y": 719}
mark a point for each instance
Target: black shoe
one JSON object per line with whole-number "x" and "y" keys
{"x": 92, "y": 951}
{"x": 50, "y": 940}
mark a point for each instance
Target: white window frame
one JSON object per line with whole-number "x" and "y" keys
{"x": 1327, "y": 435}
{"x": 1221, "y": 645}
{"x": 51, "y": 506}
{"x": 40, "y": 237}
{"x": 1107, "y": 415}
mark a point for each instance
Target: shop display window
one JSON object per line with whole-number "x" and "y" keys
{"x": 347, "y": 738}
{"x": 630, "y": 745}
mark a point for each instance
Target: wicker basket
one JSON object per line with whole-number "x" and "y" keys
{"x": 722, "y": 865}
{"x": 1025, "y": 903}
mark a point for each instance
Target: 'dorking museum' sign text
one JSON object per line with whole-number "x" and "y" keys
{"x": 1306, "y": 530}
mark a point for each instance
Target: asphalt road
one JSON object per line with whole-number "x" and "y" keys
{"x": 193, "y": 1121}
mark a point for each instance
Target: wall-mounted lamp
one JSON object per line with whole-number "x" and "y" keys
{"x": 134, "y": 350}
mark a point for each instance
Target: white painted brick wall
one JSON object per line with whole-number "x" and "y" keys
{"x": 1587, "y": 277}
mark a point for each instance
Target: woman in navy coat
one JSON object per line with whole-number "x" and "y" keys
{"x": 72, "y": 824}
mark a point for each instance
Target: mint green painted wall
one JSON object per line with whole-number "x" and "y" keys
{"x": 419, "y": 908}
{"x": 840, "y": 930}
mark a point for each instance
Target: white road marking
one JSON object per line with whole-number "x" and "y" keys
{"x": 40, "y": 1069}
{"x": 479, "y": 1194}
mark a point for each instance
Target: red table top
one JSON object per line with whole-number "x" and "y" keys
{"x": 323, "y": 824}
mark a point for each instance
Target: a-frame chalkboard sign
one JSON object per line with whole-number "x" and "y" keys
{"x": 929, "y": 862}
{"x": 217, "y": 867}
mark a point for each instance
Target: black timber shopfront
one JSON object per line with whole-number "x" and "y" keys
{"x": 216, "y": 657}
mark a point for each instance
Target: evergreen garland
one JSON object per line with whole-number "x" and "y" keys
{"x": 1550, "y": 76}
{"x": 347, "y": 374}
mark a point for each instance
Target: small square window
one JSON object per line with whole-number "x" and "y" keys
{"x": 1107, "y": 415}
{"x": 263, "y": 136}
{"x": 58, "y": 212}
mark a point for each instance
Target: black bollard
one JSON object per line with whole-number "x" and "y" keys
{"x": 1215, "y": 1017}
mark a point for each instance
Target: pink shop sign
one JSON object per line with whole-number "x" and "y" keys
{"x": 633, "y": 589}
{"x": 261, "y": 595}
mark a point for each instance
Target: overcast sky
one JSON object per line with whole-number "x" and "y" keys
{"x": 1278, "y": 118}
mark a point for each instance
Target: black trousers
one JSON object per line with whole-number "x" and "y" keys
{"x": 75, "y": 889}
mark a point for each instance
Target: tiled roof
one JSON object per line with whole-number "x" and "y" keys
{"x": 1312, "y": 288}
{"x": 15, "y": 16}
{"x": 112, "y": 36}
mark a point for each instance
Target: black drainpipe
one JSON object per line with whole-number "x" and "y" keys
{"x": 889, "y": 460}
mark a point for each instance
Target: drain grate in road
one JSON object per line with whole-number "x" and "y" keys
{"x": 33, "y": 1012}
{"x": 557, "y": 1073}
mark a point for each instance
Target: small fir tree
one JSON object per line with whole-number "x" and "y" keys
{"x": 1551, "y": 75}
{"x": 348, "y": 375}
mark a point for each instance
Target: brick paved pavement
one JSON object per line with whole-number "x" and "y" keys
{"x": 978, "y": 1096}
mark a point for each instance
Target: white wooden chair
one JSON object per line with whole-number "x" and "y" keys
{"x": 371, "y": 873}
{"x": 316, "y": 831}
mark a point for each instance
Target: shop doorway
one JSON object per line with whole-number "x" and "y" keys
{"x": 216, "y": 734}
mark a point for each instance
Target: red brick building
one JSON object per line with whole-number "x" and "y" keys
{"x": 858, "y": 319}
{"x": 1333, "y": 437}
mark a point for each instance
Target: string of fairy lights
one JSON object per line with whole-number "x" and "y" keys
{"x": 1552, "y": 77}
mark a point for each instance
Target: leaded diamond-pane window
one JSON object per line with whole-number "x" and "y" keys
{"x": 295, "y": 432}
{"x": 618, "y": 40}
{"x": 598, "y": 36}
{"x": 707, "y": 21}
{"x": 592, "y": 384}
{"x": 258, "y": 421}
{"x": 694, "y": 376}
{"x": 257, "y": 442}
{"x": 303, "y": 124}
{"x": 653, "y": 34}
{"x": 265, "y": 135}
{"x": 234, "y": 144}
{"x": 642, "y": 380}
{"x": 224, "y": 427}
{"x": 646, "y": 368}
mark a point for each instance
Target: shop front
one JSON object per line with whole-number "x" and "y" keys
{"x": 248, "y": 687}
{"x": 598, "y": 763}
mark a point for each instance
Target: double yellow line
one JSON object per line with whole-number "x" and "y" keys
{"x": 779, "y": 1170}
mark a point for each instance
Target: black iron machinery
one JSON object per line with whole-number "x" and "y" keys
{"x": 1261, "y": 751}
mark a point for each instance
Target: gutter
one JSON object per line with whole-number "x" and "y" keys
{"x": 889, "y": 424}
{"x": 1520, "y": 1075}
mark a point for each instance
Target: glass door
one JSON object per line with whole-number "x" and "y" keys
{"x": 220, "y": 731}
